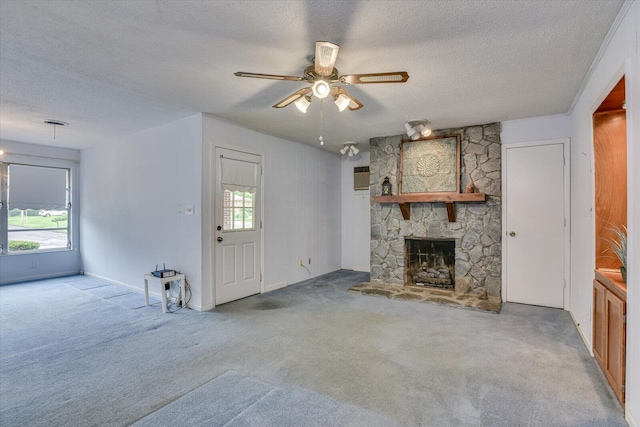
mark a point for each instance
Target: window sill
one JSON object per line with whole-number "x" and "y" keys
{"x": 44, "y": 251}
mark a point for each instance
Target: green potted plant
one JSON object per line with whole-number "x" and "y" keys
{"x": 618, "y": 246}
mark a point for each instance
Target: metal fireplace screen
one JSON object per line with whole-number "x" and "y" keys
{"x": 429, "y": 262}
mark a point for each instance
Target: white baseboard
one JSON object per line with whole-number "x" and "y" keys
{"x": 630, "y": 419}
{"x": 205, "y": 307}
{"x": 138, "y": 290}
{"x": 364, "y": 269}
{"x": 40, "y": 277}
{"x": 585, "y": 341}
{"x": 273, "y": 287}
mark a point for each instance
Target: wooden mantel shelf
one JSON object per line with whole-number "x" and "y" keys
{"x": 449, "y": 199}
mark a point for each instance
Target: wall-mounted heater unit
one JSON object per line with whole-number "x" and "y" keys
{"x": 361, "y": 178}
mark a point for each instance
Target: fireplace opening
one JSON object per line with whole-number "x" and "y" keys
{"x": 429, "y": 262}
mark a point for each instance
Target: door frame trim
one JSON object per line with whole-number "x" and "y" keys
{"x": 214, "y": 211}
{"x": 567, "y": 212}
{"x": 209, "y": 209}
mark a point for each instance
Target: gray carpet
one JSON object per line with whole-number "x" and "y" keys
{"x": 77, "y": 351}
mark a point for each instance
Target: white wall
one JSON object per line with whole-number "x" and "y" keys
{"x": 130, "y": 193}
{"x": 619, "y": 57}
{"x": 356, "y": 217}
{"x": 19, "y": 267}
{"x": 301, "y": 204}
{"x": 535, "y": 129}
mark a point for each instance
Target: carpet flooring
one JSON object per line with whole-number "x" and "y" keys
{"x": 76, "y": 351}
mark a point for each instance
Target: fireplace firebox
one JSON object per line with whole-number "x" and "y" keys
{"x": 429, "y": 262}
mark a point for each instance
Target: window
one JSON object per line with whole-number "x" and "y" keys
{"x": 238, "y": 210}
{"x": 36, "y": 208}
{"x": 239, "y": 180}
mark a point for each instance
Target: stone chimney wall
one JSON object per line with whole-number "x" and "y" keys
{"x": 478, "y": 227}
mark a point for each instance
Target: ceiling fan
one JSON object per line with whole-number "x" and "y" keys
{"x": 323, "y": 76}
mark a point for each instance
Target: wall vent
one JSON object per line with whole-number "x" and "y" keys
{"x": 361, "y": 178}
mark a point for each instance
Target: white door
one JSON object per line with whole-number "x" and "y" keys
{"x": 534, "y": 188}
{"x": 237, "y": 224}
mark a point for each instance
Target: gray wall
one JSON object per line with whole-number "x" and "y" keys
{"x": 22, "y": 267}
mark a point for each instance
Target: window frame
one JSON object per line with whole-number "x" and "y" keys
{"x": 45, "y": 162}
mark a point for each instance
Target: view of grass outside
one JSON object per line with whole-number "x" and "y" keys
{"x": 33, "y": 220}
{"x": 30, "y": 231}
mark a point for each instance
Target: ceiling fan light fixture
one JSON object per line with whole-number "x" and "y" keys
{"x": 342, "y": 102}
{"x": 321, "y": 89}
{"x": 303, "y": 103}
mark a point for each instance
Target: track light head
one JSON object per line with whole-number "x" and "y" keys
{"x": 417, "y": 129}
{"x": 350, "y": 149}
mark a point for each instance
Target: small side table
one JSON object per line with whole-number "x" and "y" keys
{"x": 164, "y": 280}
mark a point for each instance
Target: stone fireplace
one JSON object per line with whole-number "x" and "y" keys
{"x": 429, "y": 262}
{"x": 476, "y": 234}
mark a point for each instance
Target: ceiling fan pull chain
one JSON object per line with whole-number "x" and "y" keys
{"x": 321, "y": 121}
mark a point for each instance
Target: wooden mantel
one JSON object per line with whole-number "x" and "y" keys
{"x": 449, "y": 199}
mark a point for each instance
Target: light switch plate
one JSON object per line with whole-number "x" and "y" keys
{"x": 188, "y": 210}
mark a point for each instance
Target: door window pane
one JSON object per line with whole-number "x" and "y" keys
{"x": 238, "y": 212}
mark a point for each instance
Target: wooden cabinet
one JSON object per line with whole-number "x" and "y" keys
{"x": 609, "y": 327}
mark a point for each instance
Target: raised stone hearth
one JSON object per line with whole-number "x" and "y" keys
{"x": 477, "y": 231}
{"x": 423, "y": 294}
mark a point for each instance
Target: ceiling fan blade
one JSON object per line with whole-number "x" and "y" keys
{"x": 267, "y": 76}
{"x": 326, "y": 55}
{"x": 394, "y": 77}
{"x": 292, "y": 98}
{"x": 354, "y": 104}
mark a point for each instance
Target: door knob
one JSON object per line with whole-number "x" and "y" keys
{"x": 219, "y": 239}
{"x": 512, "y": 234}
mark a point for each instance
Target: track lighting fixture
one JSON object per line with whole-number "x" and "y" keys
{"x": 350, "y": 149}
{"x": 417, "y": 129}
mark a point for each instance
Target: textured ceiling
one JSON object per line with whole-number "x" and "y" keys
{"x": 112, "y": 68}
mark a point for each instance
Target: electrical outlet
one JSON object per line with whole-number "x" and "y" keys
{"x": 301, "y": 263}
{"x": 188, "y": 210}
{"x": 34, "y": 264}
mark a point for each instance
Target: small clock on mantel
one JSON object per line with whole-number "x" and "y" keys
{"x": 386, "y": 187}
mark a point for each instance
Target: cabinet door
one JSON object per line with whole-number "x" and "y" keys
{"x": 599, "y": 324}
{"x": 615, "y": 343}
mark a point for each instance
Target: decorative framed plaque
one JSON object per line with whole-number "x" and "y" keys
{"x": 430, "y": 165}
